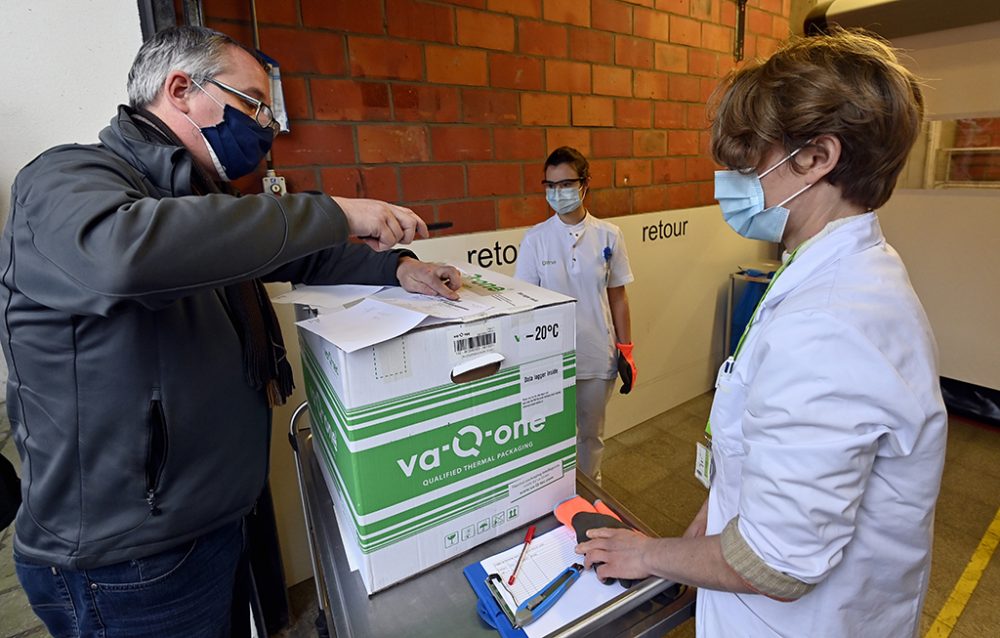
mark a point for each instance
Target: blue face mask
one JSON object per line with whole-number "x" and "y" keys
{"x": 563, "y": 200}
{"x": 741, "y": 197}
{"x": 237, "y": 144}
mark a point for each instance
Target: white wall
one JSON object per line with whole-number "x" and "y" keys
{"x": 65, "y": 66}
{"x": 950, "y": 243}
{"x": 950, "y": 239}
{"x": 961, "y": 67}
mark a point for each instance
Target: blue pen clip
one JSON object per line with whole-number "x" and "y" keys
{"x": 540, "y": 603}
{"x": 607, "y": 253}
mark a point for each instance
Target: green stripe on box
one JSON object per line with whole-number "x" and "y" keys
{"x": 369, "y": 546}
{"x": 415, "y": 399}
{"x": 425, "y": 513}
{"x": 430, "y": 394}
{"x": 427, "y": 395}
{"x": 411, "y": 523}
{"x": 434, "y": 410}
{"x": 355, "y": 425}
{"x": 437, "y": 393}
{"x": 450, "y": 506}
{"x": 377, "y": 478}
{"x": 437, "y": 404}
{"x": 443, "y": 391}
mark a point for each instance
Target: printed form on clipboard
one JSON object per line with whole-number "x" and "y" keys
{"x": 548, "y": 555}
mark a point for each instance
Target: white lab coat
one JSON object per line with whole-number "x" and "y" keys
{"x": 581, "y": 261}
{"x": 828, "y": 441}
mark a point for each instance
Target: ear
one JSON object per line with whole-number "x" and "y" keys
{"x": 819, "y": 157}
{"x": 177, "y": 90}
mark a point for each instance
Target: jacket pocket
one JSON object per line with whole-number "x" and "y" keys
{"x": 726, "y": 416}
{"x": 156, "y": 451}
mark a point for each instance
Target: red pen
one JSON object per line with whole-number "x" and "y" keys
{"x": 524, "y": 550}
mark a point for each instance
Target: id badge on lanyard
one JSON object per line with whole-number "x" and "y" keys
{"x": 704, "y": 469}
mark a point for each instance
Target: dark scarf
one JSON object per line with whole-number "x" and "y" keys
{"x": 265, "y": 361}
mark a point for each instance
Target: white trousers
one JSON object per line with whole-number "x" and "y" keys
{"x": 592, "y": 396}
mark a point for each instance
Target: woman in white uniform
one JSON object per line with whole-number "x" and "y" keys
{"x": 584, "y": 257}
{"x": 828, "y": 428}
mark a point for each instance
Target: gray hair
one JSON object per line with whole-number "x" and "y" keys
{"x": 197, "y": 51}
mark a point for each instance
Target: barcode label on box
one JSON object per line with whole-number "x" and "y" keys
{"x": 464, "y": 344}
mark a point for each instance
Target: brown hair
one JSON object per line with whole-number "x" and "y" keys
{"x": 571, "y": 156}
{"x": 848, "y": 84}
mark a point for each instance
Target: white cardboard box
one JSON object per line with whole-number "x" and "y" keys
{"x": 423, "y": 463}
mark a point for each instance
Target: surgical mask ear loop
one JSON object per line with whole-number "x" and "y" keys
{"x": 762, "y": 175}
{"x": 211, "y": 97}
{"x": 219, "y": 168}
{"x": 188, "y": 118}
{"x": 797, "y": 193}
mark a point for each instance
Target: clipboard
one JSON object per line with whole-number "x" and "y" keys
{"x": 551, "y": 553}
{"x": 486, "y": 604}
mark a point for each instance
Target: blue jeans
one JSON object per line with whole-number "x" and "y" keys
{"x": 184, "y": 592}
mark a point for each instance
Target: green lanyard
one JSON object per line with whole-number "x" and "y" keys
{"x": 753, "y": 319}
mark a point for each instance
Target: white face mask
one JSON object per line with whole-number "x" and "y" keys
{"x": 741, "y": 197}
{"x": 563, "y": 200}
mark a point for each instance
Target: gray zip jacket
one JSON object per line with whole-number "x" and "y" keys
{"x": 136, "y": 428}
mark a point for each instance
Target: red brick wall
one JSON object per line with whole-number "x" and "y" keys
{"x": 979, "y": 166}
{"x": 451, "y": 107}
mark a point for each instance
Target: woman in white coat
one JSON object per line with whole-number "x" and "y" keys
{"x": 827, "y": 429}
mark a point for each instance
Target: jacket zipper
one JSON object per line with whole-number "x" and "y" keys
{"x": 156, "y": 451}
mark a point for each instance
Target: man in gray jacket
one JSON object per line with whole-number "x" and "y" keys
{"x": 143, "y": 352}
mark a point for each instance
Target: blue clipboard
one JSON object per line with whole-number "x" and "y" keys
{"x": 486, "y": 605}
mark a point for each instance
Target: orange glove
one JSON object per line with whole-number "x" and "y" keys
{"x": 580, "y": 516}
{"x": 626, "y": 367}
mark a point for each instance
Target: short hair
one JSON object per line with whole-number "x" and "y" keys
{"x": 848, "y": 84}
{"x": 197, "y": 51}
{"x": 571, "y": 156}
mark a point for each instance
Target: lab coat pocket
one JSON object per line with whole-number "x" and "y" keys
{"x": 726, "y": 416}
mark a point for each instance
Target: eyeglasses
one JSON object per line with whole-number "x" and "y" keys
{"x": 563, "y": 184}
{"x": 263, "y": 113}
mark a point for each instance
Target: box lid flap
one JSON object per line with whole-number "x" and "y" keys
{"x": 390, "y": 312}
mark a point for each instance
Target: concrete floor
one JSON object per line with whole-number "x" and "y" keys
{"x": 648, "y": 468}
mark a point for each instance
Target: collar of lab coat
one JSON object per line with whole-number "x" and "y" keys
{"x": 859, "y": 233}
{"x": 576, "y": 231}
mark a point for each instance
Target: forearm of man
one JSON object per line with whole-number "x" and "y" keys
{"x": 347, "y": 263}
{"x": 693, "y": 561}
{"x": 620, "y": 315}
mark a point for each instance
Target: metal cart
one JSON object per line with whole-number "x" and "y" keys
{"x": 439, "y": 602}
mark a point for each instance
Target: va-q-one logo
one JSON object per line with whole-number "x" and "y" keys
{"x": 467, "y": 443}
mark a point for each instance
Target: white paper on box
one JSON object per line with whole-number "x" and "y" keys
{"x": 439, "y": 307}
{"x": 363, "y": 325}
{"x": 542, "y": 388}
{"x": 519, "y": 488}
{"x": 331, "y": 297}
